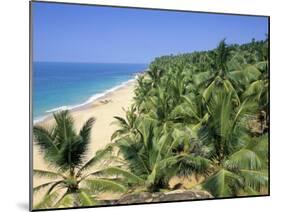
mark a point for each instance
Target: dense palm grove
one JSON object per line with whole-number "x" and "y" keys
{"x": 203, "y": 114}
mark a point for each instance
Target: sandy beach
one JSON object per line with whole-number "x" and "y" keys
{"x": 103, "y": 110}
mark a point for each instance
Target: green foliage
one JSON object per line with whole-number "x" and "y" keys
{"x": 64, "y": 150}
{"x": 193, "y": 115}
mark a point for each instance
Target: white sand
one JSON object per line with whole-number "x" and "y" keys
{"x": 102, "y": 129}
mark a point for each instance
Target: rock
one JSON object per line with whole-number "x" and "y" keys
{"x": 175, "y": 195}
{"x": 258, "y": 124}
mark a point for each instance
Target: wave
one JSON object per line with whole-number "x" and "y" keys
{"x": 57, "y": 109}
{"x": 40, "y": 119}
{"x": 87, "y": 102}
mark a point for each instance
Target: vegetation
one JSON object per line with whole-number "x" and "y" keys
{"x": 73, "y": 183}
{"x": 202, "y": 114}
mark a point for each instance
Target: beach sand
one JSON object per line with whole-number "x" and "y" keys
{"x": 103, "y": 110}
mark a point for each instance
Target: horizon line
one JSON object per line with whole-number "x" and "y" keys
{"x": 60, "y": 61}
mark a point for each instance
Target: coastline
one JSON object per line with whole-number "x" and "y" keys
{"x": 91, "y": 100}
{"x": 102, "y": 109}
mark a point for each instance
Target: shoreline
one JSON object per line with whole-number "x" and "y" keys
{"x": 103, "y": 109}
{"x": 91, "y": 100}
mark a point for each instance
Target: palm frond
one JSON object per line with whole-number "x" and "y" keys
{"x": 72, "y": 153}
{"x": 244, "y": 159}
{"x": 99, "y": 156}
{"x": 45, "y": 141}
{"x": 220, "y": 108}
{"x": 193, "y": 164}
{"x": 131, "y": 152}
{"x": 66, "y": 200}
{"x": 209, "y": 89}
{"x": 121, "y": 121}
{"x": 64, "y": 127}
{"x": 247, "y": 107}
{"x": 47, "y": 201}
{"x": 47, "y": 174}
{"x": 104, "y": 185}
{"x": 259, "y": 145}
{"x": 42, "y": 186}
{"x": 85, "y": 131}
{"x": 223, "y": 183}
{"x": 116, "y": 171}
{"x": 256, "y": 89}
{"x": 255, "y": 179}
{"x": 85, "y": 199}
{"x": 201, "y": 77}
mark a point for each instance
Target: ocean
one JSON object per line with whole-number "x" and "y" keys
{"x": 61, "y": 85}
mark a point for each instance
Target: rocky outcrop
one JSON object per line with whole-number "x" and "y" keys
{"x": 176, "y": 195}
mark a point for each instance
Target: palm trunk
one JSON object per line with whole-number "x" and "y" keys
{"x": 75, "y": 200}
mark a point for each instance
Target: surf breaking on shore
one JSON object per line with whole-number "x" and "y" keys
{"x": 88, "y": 102}
{"x": 118, "y": 100}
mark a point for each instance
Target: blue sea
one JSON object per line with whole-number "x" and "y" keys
{"x": 60, "y": 85}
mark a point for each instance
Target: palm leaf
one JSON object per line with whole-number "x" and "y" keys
{"x": 66, "y": 200}
{"x": 44, "y": 139}
{"x": 42, "y": 186}
{"x": 64, "y": 127}
{"x": 185, "y": 110}
{"x": 121, "y": 121}
{"x": 86, "y": 130}
{"x": 223, "y": 183}
{"x": 201, "y": 77}
{"x": 255, "y": 179}
{"x": 262, "y": 66}
{"x": 246, "y": 108}
{"x": 210, "y": 88}
{"x": 99, "y": 156}
{"x": 245, "y": 76}
{"x": 190, "y": 164}
{"x": 85, "y": 199}
{"x": 244, "y": 159}
{"x": 255, "y": 89}
{"x": 111, "y": 171}
{"x": 47, "y": 174}
{"x": 131, "y": 153}
{"x": 259, "y": 145}
{"x": 104, "y": 185}
{"x": 47, "y": 202}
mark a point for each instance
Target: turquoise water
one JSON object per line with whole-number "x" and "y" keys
{"x": 60, "y": 85}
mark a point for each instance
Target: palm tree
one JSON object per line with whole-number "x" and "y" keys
{"x": 141, "y": 92}
{"x": 155, "y": 73}
{"x": 220, "y": 76}
{"x": 239, "y": 162}
{"x": 222, "y": 57}
{"x": 194, "y": 118}
{"x": 72, "y": 182}
{"x": 191, "y": 111}
{"x": 145, "y": 158}
{"x": 127, "y": 125}
{"x": 152, "y": 155}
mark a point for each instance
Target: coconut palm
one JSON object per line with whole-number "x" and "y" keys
{"x": 145, "y": 157}
{"x": 152, "y": 155}
{"x": 72, "y": 181}
{"x": 220, "y": 76}
{"x": 155, "y": 74}
{"x": 141, "y": 92}
{"x": 127, "y": 125}
{"x": 238, "y": 162}
{"x": 195, "y": 118}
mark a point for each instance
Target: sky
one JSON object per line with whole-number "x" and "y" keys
{"x": 79, "y": 33}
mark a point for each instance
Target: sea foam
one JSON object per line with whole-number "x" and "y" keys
{"x": 87, "y": 102}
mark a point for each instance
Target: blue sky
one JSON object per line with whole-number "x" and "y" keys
{"x": 77, "y": 33}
